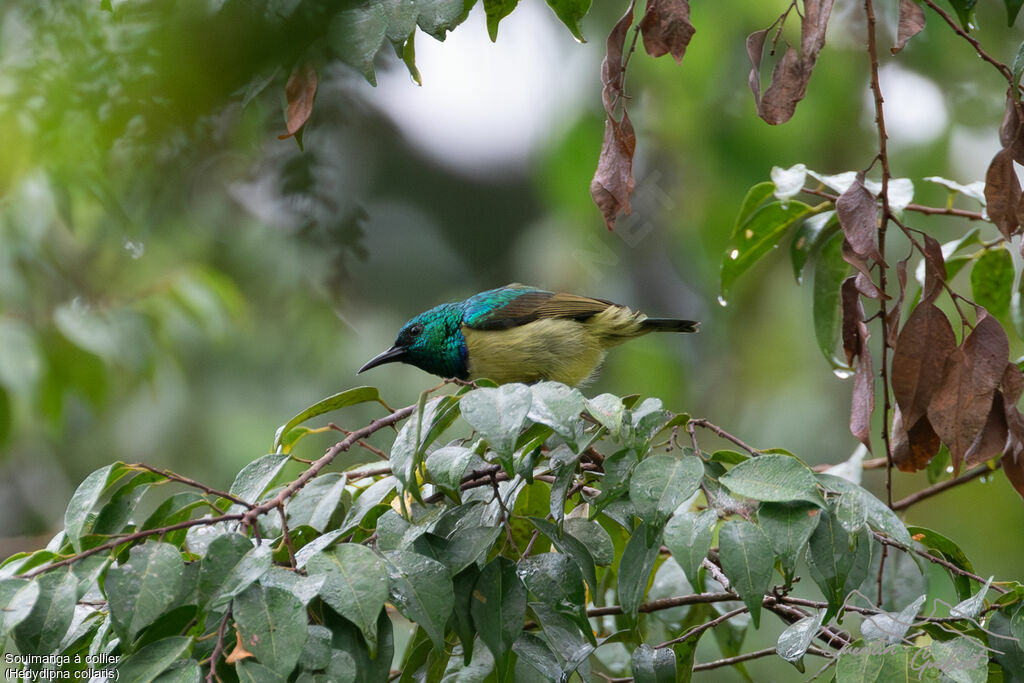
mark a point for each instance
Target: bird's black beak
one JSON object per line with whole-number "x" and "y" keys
{"x": 394, "y": 354}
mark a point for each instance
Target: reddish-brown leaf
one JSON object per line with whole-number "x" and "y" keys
{"x": 961, "y": 404}
{"x": 934, "y": 269}
{"x": 613, "y": 180}
{"x": 892, "y": 317}
{"x": 991, "y": 440}
{"x": 666, "y": 28}
{"x": 300, "y": 92}
{"x": 1002, "y": 192}
{"x": 858, "y": 218}
{"x": 913, "y": 451}
{"x": 919, "y": 358}
{"x": 867, "y": 287}
{"x": 911, "y": 23}
{"x": 1012, "y": 384}
{"x": 863, "y": 401}
{"x": 755, "y": 48}
{"x": 1013, "y": 465}
{"x": 812, "y": 31}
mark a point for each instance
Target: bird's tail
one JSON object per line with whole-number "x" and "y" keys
{"x": 669, "y": 325}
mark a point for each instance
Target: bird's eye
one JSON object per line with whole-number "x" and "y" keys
{"x": 416, "y": 330}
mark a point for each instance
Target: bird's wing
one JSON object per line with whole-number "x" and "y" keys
{"x": 517, "y": 305}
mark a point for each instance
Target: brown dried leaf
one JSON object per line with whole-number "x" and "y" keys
{"x": 755, "y": 48}
{"x": 791, "y": 73}
{"x": 666, "y": 28}
{"x": 239, "y": 653}
{"x": 1013, "y": 465}
{"x": 863, "y": 402}
{"x": 613, "y": 180}
{"x": 1012, "y": 384}
{"x": 991, "y": 440}
{"x": 1002, "y": 192}
{"x": 787, "y": 87}
{"x": 867, "y": 287}
{"x": 919, "y": 358}
{"x": 961, "y": 404}
{"x": 853, "y": 313}
{"x": 934, "y": 269}
{"x": 854, "y": 259}
{"x": 858, "y": 219}
{"x": 300, "y": 92}
{"x": 911, "y": 23}
{"x": 892, "y": 317}
{"x": 913, "y": 451}
{"x": 1011, "y": 134}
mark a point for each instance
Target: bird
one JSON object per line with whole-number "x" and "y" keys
{"x": 519, "y": 333}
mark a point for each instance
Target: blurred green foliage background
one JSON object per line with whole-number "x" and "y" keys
{"x": 175, "y": 281}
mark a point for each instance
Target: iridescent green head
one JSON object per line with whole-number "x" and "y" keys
{"x": 432, "y": 341}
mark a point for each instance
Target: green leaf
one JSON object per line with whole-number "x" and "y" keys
{"x": 462, "y": 585}
{"x": 41, "y": 631}
{"x": 609, "y": 410}
{"x": 660, "y": 483}
{"x": 788, "y": 526}
{"x": 320, "y": 503}
{"x": 426, "y": 424}
{"x": 272, "y": 625}
{"x": 496, "y": 10}
{"x": 635, "y": 568}
{"x": 965, "y": 587}
{"x": 747, "y": 561}
{"x": 421, "y": 590}
{"x": 141, "y": 589}
{"x": 348, "y": 648}
{"x": 571, "y": 546}
{"x": 1012, "y": 10}
{"x": 992, "y": 281}
{"x": 447, "y": 466}
{"x": 559, "y": 407}
{"x": 372, "y": 496}
{"x": 498, "y": 608}
{"x": 401, "y": 18}
{"x": 880, "y": 517}
{"x": 773, "y": 478}
{"x": 336, "y": 402}
{"x": 231, "y": 565}
{"x": 829, "y": 272}
{"x": 17, "y": 598}
{"x": 253, "y": 479}
{"x": 566, "y": 639}
{"x": 173, "y": 510}
{"x": 594, "y": 537}
{"x": 569, "y": 12}
{"x": 892, "y": 627}
{"x": 757, "y": 235}
{"x": 808, "y": 239}
{"x": 963, "y": 659}
{"x": 154, "y": 659}
{"x": 652, "y": 665}
{"x": 838, "y": 562}
{"x": 688, "y": 536}
{"x": 80, "y": 514}
{"x": 556, "y": 580}
{"x": 355, "y": 586}
{"x": 897, "y": 663}
{"x": 356, "y": 34}
{"x": 536, "y": 653}
{"x": 498, "y": 414}
{"x": 437, "y": 17}
{"x": 964, "y": 12}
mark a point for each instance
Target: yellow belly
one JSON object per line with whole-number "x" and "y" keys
{"x": 555, "y": 349}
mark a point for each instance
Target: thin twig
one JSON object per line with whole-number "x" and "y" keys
{"x": 935, "y": 560}
{"x": 918, "y": 208}
{"x": 249, "y": 517}
{"x": 193, "y": 483}
{"x": 218, "y": 648}
{"x": 1003, "y": 69}
{"x": 938, "y": 488}
{"x": 700, "y": 628}
{"x": 768, "y": 651}
{"x": 701, "y": 422}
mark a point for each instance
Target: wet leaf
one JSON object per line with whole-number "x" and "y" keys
{"x": 356, "y": 34}
{"x": 794, "y": 641}
{"x": 496, "y": 10}
{"x": 570, "y": 12}
{"x": 829, "y": 272}
{"x": 422, "y": 590}
{"x": 498, "y": 607}
{"x": 756, "y": 236}
{"x": 355, "y": 586}
{"x": 272, "y": 625}
{"x": 773, "y": 478}
{"x": 144, "y": 587}
{"x": 335, "y": 402}
{"x": 660, "y": 483}
{"x": 651, "y": 665}
{"x": 635, "y": 568}
{"x": 787, "y": 526}
{"x": 688, "y": 536}
{"x": 666, "y": 28}
{"x": 911, "y": 22}
{"x": 808, "y": 238}
{"x": 747, "y": 560}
